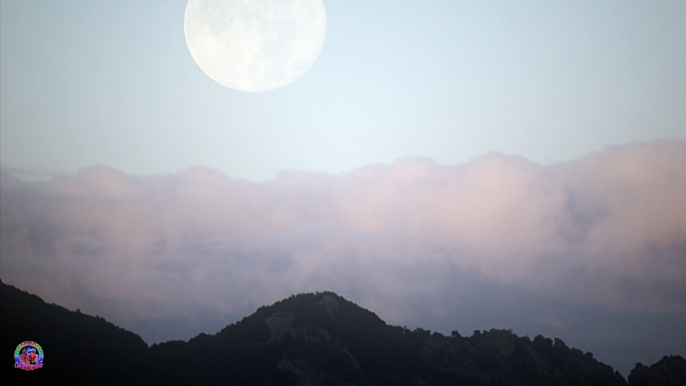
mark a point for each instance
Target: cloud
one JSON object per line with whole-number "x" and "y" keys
{"x": 607, "y": 230}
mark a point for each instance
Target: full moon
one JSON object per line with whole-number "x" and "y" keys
{"x": 255, "y": 45}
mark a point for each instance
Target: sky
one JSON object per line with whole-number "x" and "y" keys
{"x": 113, "y": 83}
{"x": 453, "y": 165}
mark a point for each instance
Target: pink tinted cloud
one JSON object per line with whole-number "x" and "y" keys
{"x": 608, "y": 229}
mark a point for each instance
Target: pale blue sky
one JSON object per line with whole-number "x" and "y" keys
{"x": 112, "y": 83}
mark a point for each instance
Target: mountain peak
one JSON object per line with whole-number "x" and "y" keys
{"x": 306, "y": 339}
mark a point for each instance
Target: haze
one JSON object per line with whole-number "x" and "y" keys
{"x": 451, "y": 165}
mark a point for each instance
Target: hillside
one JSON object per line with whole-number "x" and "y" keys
{"x": 76, "y": 345}
{"x": 324, "y": 339}
{"x": 308, "y": 339}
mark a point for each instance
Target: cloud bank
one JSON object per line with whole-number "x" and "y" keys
{"x": 406, "y": 239}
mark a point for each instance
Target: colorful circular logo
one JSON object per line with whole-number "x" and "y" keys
{"x": 28, "y": 356}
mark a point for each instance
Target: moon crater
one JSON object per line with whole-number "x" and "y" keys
{"x": 255, "y": 45}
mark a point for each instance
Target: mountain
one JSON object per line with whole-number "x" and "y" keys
{"x": 668, "y": 371}
{"x": 322, "y": 338}
{"x": 307, "y": 339}
{"x": 77, "y": 346}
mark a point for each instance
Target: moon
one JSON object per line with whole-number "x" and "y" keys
{"x": 255, "y": 45}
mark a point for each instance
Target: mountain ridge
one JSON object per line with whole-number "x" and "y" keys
{"x": 306, "y": 339}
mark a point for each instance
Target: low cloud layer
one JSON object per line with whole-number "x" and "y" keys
{"x": 607, "y": 232}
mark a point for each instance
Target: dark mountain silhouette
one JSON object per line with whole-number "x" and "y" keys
{"x": 77, "y": 346}
{"x": 668, "y": 371}
{"x": 308, "y": 339}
